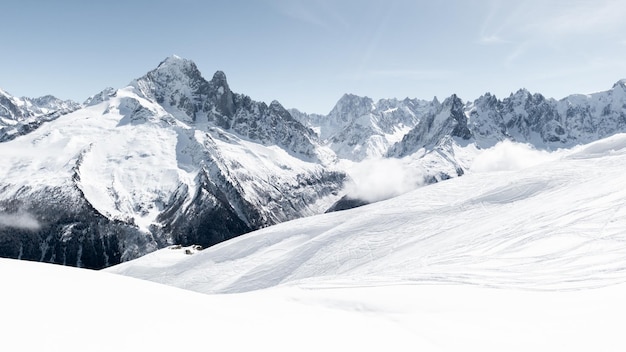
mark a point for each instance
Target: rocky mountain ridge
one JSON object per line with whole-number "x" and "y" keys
{"x": 19, "y": 116}
{"x": 358, "y": 128}
{"x": 178, "y": 86}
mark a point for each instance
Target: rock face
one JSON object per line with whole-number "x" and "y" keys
{"x": 69, "y": 231}
{"x": 19, "y": 116}
{"x": 445, "y": 120}
{"x": 357, "y": 128}
{"x": 522, "y": 117}
{"x": 345, "y": 203}
{"x": 527, "y": 118}
{"x": 177, "y": 85}
{"x": 171, "y": 158}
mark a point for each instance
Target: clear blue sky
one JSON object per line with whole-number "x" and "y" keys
{"x": 307, "y": 53}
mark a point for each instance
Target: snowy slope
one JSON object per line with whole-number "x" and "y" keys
{"x": 548, "y": 222}
{"x": 96, "y": 311}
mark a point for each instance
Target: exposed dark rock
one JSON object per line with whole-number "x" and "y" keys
{"x": 346, "y": 203}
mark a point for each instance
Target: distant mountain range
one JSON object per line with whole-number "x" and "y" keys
{"x": 175, "y": 158}
{"x": 20, "y": 116}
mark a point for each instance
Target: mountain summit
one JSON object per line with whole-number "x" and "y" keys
{"x": 620, "y": 84}
{"x": 178, "y": 86}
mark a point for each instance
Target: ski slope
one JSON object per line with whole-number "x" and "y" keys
{"x": 54, "y": 308}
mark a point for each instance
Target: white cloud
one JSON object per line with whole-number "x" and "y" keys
{"x": 510, "y": 156}
{"x": 492, "y": 39}
{"x": 493, "y": 25}
{"x": 545, "y": 20}
{"x": 588, "y": 17}
{"x": 380, "y": 179}
{"x": 533, "y": 26}
{"x": 319, "y": 13}
{"x": 518, "y": 52}
{"x": 21, "y": 220}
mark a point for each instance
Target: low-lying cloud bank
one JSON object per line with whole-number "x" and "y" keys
{"x": 380, "y": 179}
{"x": 22, "y": 220}
{"x": 510, "y": 156}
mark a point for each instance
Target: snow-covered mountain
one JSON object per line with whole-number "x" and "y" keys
{"x": 431, "y": 133}
{"x": 171, "y": 158}
{"x": 176, "y": 158}
{"x": 524, "y": 117}
{"x": 551, "y": 124}
{"x": 358, "y": 129}
{"x": 19, "y": 116}
{"x": 180, "y": 89}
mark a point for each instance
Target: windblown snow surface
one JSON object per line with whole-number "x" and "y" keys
{"x": 513, "y": 256}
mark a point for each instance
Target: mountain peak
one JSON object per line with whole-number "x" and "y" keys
{"x": 621, "y": 84}
{"x": 219, "y": 80}
{"x": 354, "y": 101}
{"x": 172, "y": 75}
{"x": 521, "y": 93}
{"x": 176, "y": 66}
{"x": 351, "y": 106}
{"x": 349, "y": 97}
{"x": 219, "y": 76}
{"x": 173, "y": 60}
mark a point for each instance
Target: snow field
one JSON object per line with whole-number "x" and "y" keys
{"x": 55, "y": 308}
